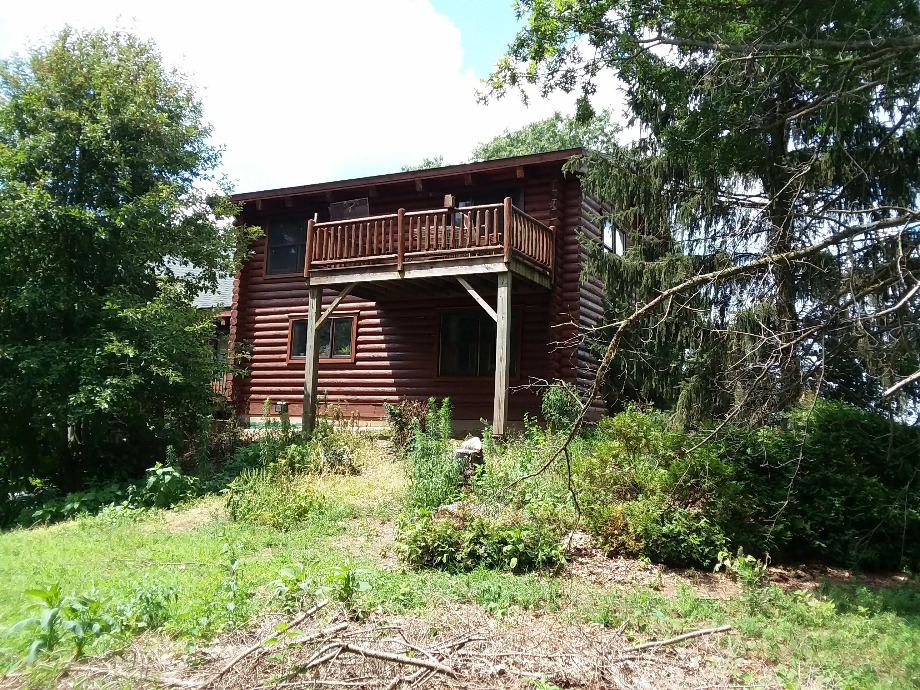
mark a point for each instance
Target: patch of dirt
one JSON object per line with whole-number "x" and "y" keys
{"x": 810, "y": 576}
{"x": 591, "y": 564}
{"x": 189, "y": 519}
{"x": 376, "y": 540}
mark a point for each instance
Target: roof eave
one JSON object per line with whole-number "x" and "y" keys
{"x": 412, "y": 175}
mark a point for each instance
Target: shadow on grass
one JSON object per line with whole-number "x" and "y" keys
{"x": 901, "y": 599}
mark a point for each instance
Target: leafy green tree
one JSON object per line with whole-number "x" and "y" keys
{"x": 555, "y": 133}
{"x": 771, "y": 200}
{"x": 106, "y": 182}
{"x": 426, "y": 164}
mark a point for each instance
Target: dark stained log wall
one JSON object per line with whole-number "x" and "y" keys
{"x": 591, "y": 307}
{"x": 396, "y": 346}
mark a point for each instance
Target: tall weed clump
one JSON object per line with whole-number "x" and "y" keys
{"x": 435, "y": 476}
{"x": 277, "y": 498}
{"x": 402, "y": 416}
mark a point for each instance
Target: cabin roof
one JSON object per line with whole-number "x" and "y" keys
{"x": 447, "y": 171}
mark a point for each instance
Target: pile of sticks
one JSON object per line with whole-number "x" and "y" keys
{"x": 336, "y": 656}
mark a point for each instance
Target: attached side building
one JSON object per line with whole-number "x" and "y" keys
{"x": 460, "y": 282}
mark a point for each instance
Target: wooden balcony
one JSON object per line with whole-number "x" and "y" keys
{"x": 443, "y": 242}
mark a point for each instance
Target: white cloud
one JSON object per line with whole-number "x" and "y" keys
{"x": 313, "y": 91}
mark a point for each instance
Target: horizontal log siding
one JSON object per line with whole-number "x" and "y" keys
{"x": 397, "y": 341}
{"x": 591, "y": 311}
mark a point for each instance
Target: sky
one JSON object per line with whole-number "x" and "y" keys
{"x": 319, "y": 90}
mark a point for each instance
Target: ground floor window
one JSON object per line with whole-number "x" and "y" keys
{"x": 467, "y": 344}
{"x": 336, "y": 338}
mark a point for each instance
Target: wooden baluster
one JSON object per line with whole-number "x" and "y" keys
{"x": 508, "y": 223}
{"x": 531, "y": 249}
{"x": 400, "y": 219}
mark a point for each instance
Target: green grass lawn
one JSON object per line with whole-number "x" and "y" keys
{"x": 208, "y": 574}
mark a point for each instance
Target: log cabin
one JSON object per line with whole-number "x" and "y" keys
{"x": 463, "y": 281}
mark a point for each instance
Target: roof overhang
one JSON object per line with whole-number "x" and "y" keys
{"x": 432, "y": 174}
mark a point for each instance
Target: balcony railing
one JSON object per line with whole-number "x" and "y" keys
{"x": 492, "y": 230}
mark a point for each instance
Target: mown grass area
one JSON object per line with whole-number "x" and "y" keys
{"x": 212, "y": 574}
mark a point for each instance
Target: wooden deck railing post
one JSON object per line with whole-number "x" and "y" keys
{"x": 400, "y": 248}
{"x": 551, "y": 253}
{"x": 508, "y": 224}
{"x": 309, "y": 250}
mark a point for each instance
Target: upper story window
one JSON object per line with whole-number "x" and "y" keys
{"x": 287, "y": 244}
{"x": 614, "y": 239}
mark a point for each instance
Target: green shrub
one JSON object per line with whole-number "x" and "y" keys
{"x": 435, "y": 475}
{"x": 834, "y": 483}
{"x": 87, "y": 502}
{"x": 163, "y": 486}
{"x": 643, "y": 494}
{"x": 561, "y": 405}
{"x": 73, "y": 620}
{"x": 273, "y": 498}
{"x": 676, "y": 536}
{"x": 149, "y": 607}
{"x": 465, "y": 540}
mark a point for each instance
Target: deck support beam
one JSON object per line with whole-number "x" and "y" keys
{"x": 502, "y": 350}
{"x": 476, "y": 296}
{"x": 311, "y": 367}
{"x": 336, "y": 302}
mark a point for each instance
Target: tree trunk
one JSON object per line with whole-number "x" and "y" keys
{"x": 779, "y": 185}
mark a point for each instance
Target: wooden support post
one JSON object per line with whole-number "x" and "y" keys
{"x": 400, "y": 239}
{"x": 311, "y": 368}
{"x": 507, "y": 238}
{"x": 502, "y": 351}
